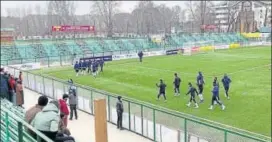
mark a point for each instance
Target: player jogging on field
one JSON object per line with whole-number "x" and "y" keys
{"x": 84, "y": 67}
{"x": 76, "y": 68}
{"x": 200, "y": 83}
{"x": 162, "y": 87}
{"x": 176, "y": 83}
{"x": 192, "y": 91}
{"x": 215, "y": 83}
{"x": 215, "y": 94}
{"x": 81, "y": 66}
{"x": 226, "y": 83}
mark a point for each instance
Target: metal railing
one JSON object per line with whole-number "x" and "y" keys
{"x": 150, "y": 121}
{"x": 13, "y": 128}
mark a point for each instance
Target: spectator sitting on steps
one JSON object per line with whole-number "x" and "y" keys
{"x": 31, "y": 113}
{"x": 47, "y": 121}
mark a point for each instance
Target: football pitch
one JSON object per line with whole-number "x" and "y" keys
{"x": 249, "y": 68}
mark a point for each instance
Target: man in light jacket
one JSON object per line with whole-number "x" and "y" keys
{"x": 47, "y": 121}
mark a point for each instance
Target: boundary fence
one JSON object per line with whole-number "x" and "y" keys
{"x": 150, "y": 121}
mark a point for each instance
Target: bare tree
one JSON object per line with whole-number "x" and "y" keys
{"x": 233, "y": 12}
{"x": 106, "y": 9}
{"x": 201, "y": 12}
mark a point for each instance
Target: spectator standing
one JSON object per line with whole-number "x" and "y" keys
{"x": 21, "y": 77}
{"x": 12, "y": 89}
{"x": 19, "y": 94}
{"x": 64, "y": 108}
{"x": 47, "y": 121}
{"x": 4, "y": 89}
{"x": 120, "y": 110}
{"x": 73, "y": 101}
{"x": 31, "y": 113}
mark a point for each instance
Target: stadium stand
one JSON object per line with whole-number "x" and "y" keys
{"x": 12, "y": 125}
{"x": 30, "y": 51}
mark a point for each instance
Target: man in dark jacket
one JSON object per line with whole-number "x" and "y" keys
{"x": 141, "y": 54}
{"x": 226, "y": 83}
{"x": 215, "y": 95}
{"x": 120, "y": 110}
{"x": 4, "y": 84}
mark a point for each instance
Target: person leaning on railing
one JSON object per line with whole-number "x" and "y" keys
{"x": 19, "y": 94}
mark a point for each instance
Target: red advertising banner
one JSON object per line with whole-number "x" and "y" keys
{"x": 67, "y": 28}
{"x": 195, "y": 49}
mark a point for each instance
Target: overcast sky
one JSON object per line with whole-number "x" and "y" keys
{"x": 83, "y": 7}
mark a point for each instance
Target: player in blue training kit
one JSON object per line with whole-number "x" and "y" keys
{"x": 94, "y": 68}
{"x": 97, "y": 66}
{"x": 215, "y": 83}
{"x": 76, "y": 68}
{"x": 192, "y": 91}
{"x": 141, "y": 54}
{"x": 81, "y": 66}
{"x": 215, "y": 94}
{"x": 226, "y": 83}
{"x": 200, "y": 84}
{"x": 176, "y": 83}
{"x": 84, "y": 66}
{"x": 90, "y": 66}
{"x": 101, "y": 64}
{"x": 162, "y": 87}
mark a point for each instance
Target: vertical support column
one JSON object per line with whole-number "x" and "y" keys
{"x": 35, "y": 84}
{"x": 109, "y": 108}
{"x": 7, "y": 127}
{"x": 185, "y": 130}
{"x": 92, "y": 103}
{"x": 43, "y": 86}
{"x": 226, "y": 136}
{"x": 129, "y": 119}
{"x": 53, "y": 89}
{"x": 154, "y": 124}
{"x": 142, "y": 119}
{"x": 100, "y": 117}
{"x": 28, "y": 84}
{"x": 20, "y": 131}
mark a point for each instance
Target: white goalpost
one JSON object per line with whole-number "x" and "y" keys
{"x": 198, "y": 47}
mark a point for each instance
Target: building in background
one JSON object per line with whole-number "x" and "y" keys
{"x": 243, "y": 16}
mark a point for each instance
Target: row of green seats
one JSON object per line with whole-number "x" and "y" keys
{"x": 13, "y": 127}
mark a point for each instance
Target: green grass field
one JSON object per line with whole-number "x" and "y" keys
{"x": 249, "y": 107}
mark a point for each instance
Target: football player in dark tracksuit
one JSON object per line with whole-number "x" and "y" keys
{"x": 141, "y": 54}
{"x": 215, "y": 82}
{"x": 176, "y": 83}
{"x": 94, "y": 68}
{"x": 90, "y": 66}
{"x": 226, "y": 83}
{"x": 76, "y": 68}
{"x": 101, "y": 64}
{"x": 215, "y": 94}
{"x": 192, "y": 91}
{"x": 162, "y": 87}
{"x": 84, "y": 66}
{"x": 200, "y": 83}
{"x": 120, "y": 110}
{"x": 81, "y": 66}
